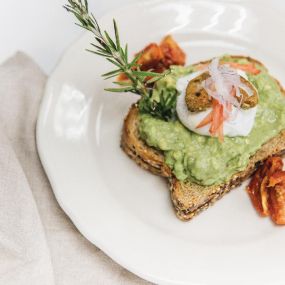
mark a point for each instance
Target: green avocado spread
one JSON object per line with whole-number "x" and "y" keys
{"x": 204, "y": 160}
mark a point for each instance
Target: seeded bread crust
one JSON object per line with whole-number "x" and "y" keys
{"x": 189, "y": 198}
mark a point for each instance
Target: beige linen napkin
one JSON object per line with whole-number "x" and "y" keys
{"x": 38, "y": 243}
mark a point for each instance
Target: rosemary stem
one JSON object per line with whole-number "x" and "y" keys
{"x": 112, "y": 50}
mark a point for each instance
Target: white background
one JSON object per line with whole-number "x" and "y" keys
{"x": 42, "y": 28}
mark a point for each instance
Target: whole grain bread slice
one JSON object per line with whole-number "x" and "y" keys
{"x": 189, "y": 198}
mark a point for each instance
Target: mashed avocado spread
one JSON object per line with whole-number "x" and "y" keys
{"x": 204, "y": 160}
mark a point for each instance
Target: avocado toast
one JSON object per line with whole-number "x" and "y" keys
{"x": 190, "y": 197}
{"x": 204, "y": 127}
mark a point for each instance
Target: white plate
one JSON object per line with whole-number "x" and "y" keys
{"x": 121, "y": 208}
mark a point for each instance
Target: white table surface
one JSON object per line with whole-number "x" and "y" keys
{"x": 42, "y": 28}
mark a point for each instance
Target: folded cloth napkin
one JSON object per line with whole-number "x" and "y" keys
{"x": 38, "y": 243}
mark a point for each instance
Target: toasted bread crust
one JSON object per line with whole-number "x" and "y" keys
{"x": 147, "y": 157}
{"x": 189, "y": 198}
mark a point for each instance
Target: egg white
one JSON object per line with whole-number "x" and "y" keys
{"x": 240, "y": 122}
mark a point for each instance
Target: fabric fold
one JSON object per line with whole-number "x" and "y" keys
{"x": 38, "y": 242}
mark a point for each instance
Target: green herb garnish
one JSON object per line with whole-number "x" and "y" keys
{"x": 112, "y": 50}
{"x": 164, "y": 108}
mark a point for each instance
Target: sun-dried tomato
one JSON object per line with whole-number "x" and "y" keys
{"x": 267, "y": 190}
{"x": 152, "y": 58}
{"x": 173, "y": 54}
{"x": 276, "y": 178}
{"x": 158, "y": 58}
{"x": 253, "y": 190}
{"x": 276, "y": 203}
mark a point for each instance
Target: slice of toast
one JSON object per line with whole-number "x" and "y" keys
{"x": 189, "y": 198}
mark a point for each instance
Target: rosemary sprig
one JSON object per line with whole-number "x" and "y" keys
{"x": 113, "y": 51}
{"x": 164, "y": 108}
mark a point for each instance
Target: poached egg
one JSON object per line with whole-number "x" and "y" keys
{"x": 240, "y": 122}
